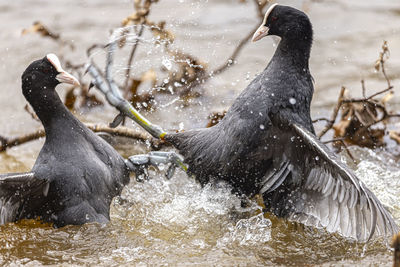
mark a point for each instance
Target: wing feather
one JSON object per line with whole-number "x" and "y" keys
{"x": 328, "y": 194}
{"x": 15, "y": 188}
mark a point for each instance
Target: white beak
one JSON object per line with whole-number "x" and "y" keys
{"x": 63, "y": 76}
{"x": 261, "y": 32}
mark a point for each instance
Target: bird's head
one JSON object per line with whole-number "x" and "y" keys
{"x": 285, "y": 22}
{"x": 45, "y": 74}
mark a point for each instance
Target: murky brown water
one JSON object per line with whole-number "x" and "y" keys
{"x": 176, "y": 222}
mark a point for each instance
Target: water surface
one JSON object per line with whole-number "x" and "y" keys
{"x": 175, "y": 221}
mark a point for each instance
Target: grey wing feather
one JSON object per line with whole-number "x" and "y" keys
{"x": 324, "y": 193}
{"x": 274, "y": 178}
{"x": 15, "y": 188}
{"x": 331, "y": 181}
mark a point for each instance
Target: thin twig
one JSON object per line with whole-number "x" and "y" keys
{"x": 131, "y": 56}
{"x": 334, "y": 140}
{"x": 380, "y": 92}
{"x": 90, "y": 49}
{"x": 330, "y": 123}
{"x": 259, "y": 9}
{"x": 321, "y": 119}
{"x": 347, "y": 150}
{"x": 232, "y": 58}
{"x": 385, "y": 117}
{"x": 363, "y": 88}
{"x": 30, "y": 112}
{"x": 382, "y": 60}
{"x": 385, "y": 75}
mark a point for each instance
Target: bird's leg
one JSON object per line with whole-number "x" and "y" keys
{"x": 109, "y": 88}
{"x": 140, "y": 163}
{"x": 111, "y": 91}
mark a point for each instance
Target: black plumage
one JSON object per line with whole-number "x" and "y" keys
{"x": 266, "y": 144}
{"x": 76, "y": 174}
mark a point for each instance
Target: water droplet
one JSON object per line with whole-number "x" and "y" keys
{"x": 262, "y": 127}
{"x": 316, "y": 158}
{"x": 167, "y": 63}
{"x": 292, "y": 100}
{"x": 161, "y": 166}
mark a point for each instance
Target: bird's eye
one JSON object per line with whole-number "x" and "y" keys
{"x": 273, "y": 18}
{"x": 46, "y": 70}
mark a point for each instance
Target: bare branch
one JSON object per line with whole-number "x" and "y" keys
{"x": 347, "y": 150}
{"x": 363, "y": 89}
{"x": 8, "y": 142}
{"x": 330, "y": 123}
{"x": 231, "y": 60}
{"x": 14, "y": 141}
{"x": 321, "y": 119}
{"x": 333, "y": 140}
{"x": 380, "y": 92}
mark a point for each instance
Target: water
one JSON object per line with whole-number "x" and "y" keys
{"x": 175, "y": 221}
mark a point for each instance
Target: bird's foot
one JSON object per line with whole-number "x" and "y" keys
{"x": 140, "y": 163}
{"x": 106, "y": 84}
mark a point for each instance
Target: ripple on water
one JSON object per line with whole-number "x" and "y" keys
{"x": 380, "y": 171}
{"x": 177, "y": 221}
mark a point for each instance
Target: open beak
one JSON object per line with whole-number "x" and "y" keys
{"x": 261, "y": 32}
{"x": 63, "y": 76}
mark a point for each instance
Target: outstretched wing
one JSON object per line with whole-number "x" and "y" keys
{"x": 15, "y": 188}
{"x": 318, "y": 190}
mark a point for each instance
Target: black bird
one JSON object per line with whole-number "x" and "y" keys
{"x": 266, "y": 143}
{"x": 76, "y": 174}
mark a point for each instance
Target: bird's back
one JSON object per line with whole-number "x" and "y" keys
{"x": 241, "y": 147}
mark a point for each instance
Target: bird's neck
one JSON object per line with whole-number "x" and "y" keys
{"x": 295, "y": 52}
{"x": 49, "y": 108}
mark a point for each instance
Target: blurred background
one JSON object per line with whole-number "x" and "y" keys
{"x": 176, "y": 222}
